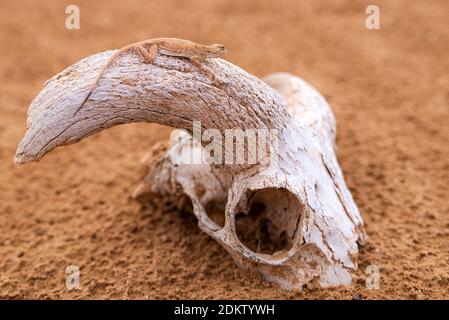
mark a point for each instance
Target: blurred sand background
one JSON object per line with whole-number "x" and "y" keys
{"x": 389, "y": 90}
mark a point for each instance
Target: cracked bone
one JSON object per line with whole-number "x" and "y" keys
{"x": 302, "y": 202}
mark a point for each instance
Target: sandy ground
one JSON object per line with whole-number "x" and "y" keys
{"x": 389, "y": 91}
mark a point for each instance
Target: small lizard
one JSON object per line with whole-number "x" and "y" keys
{"x": 148, "y": 50}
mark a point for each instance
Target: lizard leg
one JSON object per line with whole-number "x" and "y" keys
{"x": 149, "y": 55}
{"x": 205, "y": 70}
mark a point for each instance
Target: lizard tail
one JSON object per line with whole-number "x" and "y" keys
{"x": 84, "y": 101}
{"x": 97, "y": 80}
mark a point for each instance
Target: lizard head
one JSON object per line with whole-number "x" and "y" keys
{"x": 216, "y": 50}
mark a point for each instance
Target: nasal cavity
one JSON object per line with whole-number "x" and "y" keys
{"x": 271, "y": 221}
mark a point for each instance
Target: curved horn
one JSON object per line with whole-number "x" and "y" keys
{"x": 170, "y": 92}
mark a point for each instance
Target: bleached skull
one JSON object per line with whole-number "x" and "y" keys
{"x": 296, "y": 222}
{"x": 301, "y": 204}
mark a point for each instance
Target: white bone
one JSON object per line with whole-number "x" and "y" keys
{"x": 305, "y": 195}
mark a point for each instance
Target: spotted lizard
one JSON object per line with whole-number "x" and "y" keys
{"x": 148, "y": 50}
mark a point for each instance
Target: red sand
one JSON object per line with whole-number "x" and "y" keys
{"x": 389, "y": 91}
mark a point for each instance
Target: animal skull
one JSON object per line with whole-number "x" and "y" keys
{"x": 302, "y": 202}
